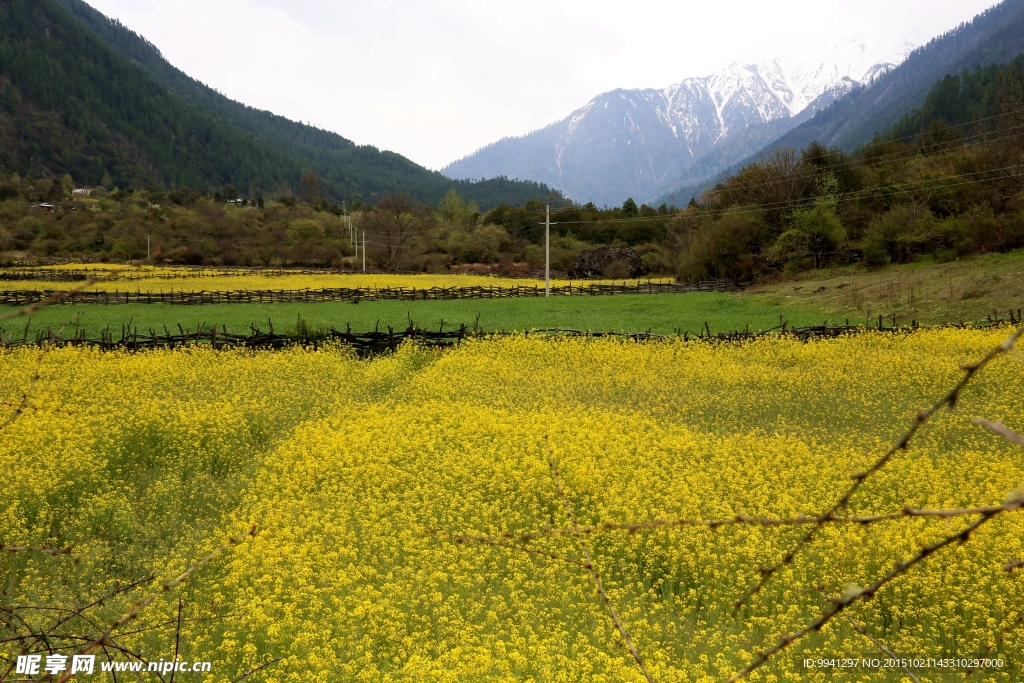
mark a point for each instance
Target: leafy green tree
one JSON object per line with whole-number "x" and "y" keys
{"x": 630, "y": 209}
{"x": 816, "y": 232}
{"x": 452, "y": 208}
{"x": 723, "y": 248}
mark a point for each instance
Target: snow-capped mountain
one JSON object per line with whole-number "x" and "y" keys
{"x": 633, "y": 143}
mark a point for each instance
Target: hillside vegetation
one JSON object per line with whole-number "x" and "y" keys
{"x": 928, "y": 291}
{"x": 70, "y": 103}
{"x": 188, "y": 227}
{"x": 943, "y": 182}
{"x": 995, "y": 36}
{"x": 933, "y": 185}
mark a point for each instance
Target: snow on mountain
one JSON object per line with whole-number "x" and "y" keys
{"x": 637, "y": 142}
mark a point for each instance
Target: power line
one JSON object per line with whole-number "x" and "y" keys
{"x": 789, "y": 203}
{"x": 878, "y": 160}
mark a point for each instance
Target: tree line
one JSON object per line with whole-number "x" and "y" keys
{"x": 47, "y": 219}
{"x": 946, "y": 181}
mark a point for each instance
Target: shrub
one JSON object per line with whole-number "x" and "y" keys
{"x": 725, "y": 248}
{"x": 815, "y": 234}
{"x": 305, "y": 229}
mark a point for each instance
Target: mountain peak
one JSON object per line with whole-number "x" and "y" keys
{"x": 630, "y": 142}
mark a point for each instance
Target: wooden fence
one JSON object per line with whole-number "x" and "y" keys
{"x": 378, "y": 341}
{"x": 348, "y": 294}
{"x": 168, "y": 273}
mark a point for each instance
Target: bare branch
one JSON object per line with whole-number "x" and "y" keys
{"x": 1001, "y": 430}
{"x": 881, "y": 646}
{"x": 556, "y": 477}
{"x": 34, "y": 549}
{"x": 29, "y": 406}
{"x": 498, "y": 543}
{"x": 999, "y": 640}
{"x": 100, "y": 600}
{"x": 52, "y": 299}
{"x": 259, "y": 668}
{"x": 854, "y": 594}
{"x": 140, "y": 605}
{"x": 739, "y": 520}
{"x": 950, "y": 399}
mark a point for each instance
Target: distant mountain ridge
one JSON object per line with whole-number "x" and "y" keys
{"x": 637, "y": 142}
{"x": 82, "y": 94}
{"x": 993, "y": 37}
{"x": 996, "y": 36}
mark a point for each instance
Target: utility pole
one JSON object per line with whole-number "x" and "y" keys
{"x": 547, "y": 250}
{"x": 348, "y": 225}
{"x": 364, "y": 251}
{"x": 147, "y": 247}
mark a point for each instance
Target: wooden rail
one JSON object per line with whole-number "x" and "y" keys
{"x": 380, "y": 341}
{"x": 349, "y": 294}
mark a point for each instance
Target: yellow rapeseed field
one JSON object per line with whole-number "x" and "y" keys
{"x": 168, "y": 279}
{"x": 143, "y": 462}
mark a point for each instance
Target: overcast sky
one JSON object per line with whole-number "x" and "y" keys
{"x": 436, "y": 79}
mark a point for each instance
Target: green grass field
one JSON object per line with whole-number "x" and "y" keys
{"x": 661, "y": 313}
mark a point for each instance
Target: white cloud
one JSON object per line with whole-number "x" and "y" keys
{"x": 436, "y": 79}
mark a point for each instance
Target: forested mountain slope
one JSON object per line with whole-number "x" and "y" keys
{"x": 965, "y": 105}
{"x": 80, "y": 94}
{"x": 993, "y": 37}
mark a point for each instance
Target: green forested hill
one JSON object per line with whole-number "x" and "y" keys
{"x": 80, "y": 94}
{"x": 958, "y": 99}
{"x": 994, "y": 36}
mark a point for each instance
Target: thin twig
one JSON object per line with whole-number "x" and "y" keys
{"x": 1001, "y": 430}
{"x": 881, "y": 646}
{"x": 738, "y": 520}
{"x": 556, "y": 477}
{"x": 259, "y": 668}
{"x": 140, "y": 605}
{"x": 52, "y": 299}
{"x": 498, "y": 543}
{"x": 100, "y": 600}
{"x": 853, "y": 594}
{"x": 991, "y": 646}
{"x": 177, "y": 639}
{"x": 87, "y": 639}
{"x": 12, "y": 404}
{"x": 64, "y": 294}
{"x": 950, "y": 399}
{"x": 34, "y": 549}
